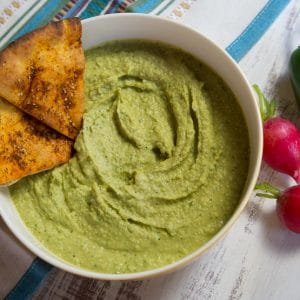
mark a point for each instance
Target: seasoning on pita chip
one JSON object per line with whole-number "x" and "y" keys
{"x": 27, "y": 146}
{"x": 42, "y": 74}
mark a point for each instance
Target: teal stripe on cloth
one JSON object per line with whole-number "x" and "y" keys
{"x": 42, "y": 17}
{"x": 94, "y": 8}
{"x": 4, "y": 34}
{"x": 29, "y": 281}
{"x": 143, "y": 6}
{"x": 255, "y": 30}
{"x": 165, "y": 7}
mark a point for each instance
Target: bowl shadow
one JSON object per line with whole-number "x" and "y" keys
{"x": 278, "y": 238}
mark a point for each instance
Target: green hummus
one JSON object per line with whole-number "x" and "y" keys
{"x": 160, "y": 165}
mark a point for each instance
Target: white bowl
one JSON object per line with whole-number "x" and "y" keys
{"x": 123, "y": 26}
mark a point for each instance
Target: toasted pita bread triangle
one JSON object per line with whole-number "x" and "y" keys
{"x": 28, "y": 146}
{"x": 42, "y": 74}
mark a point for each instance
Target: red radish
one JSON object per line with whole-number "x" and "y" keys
{"x": 281, "y": 140}
{"x": 288, "y": 204}
{"x": 282, "y": 146}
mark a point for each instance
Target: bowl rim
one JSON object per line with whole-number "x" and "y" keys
{"x": 61, "y": 264}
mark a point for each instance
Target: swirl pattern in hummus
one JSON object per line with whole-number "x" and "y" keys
{"x": 160, "y": 165}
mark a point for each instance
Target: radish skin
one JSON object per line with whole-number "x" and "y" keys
{"x": 281, "y": 139}
{"x": 288, "y": 208}
{"x": 287, "y": 204}
{"x": 282, "y": 146}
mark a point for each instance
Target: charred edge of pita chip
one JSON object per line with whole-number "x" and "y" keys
{"x": 38, "y": 129}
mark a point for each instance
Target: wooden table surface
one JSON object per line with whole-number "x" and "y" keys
{"x": 258, "y": 259}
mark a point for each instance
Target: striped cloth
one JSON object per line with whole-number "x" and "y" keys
{"x": 20, "y": 16}
{"x": 233, "y": 24}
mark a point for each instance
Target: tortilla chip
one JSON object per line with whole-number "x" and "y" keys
{"x": 42, "y": 74}
{"x": 28, "y": 146}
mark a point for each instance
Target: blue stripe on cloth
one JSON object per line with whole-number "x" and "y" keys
{"x": 30, "y": 281}
{"x": 94, "y": 8}
{"x": 41, "y": 17}
{"x": 254, "y": 31}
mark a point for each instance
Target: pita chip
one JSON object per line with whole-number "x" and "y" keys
{"x": 42, "y": 74}
{"x": 28, "y": 146}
